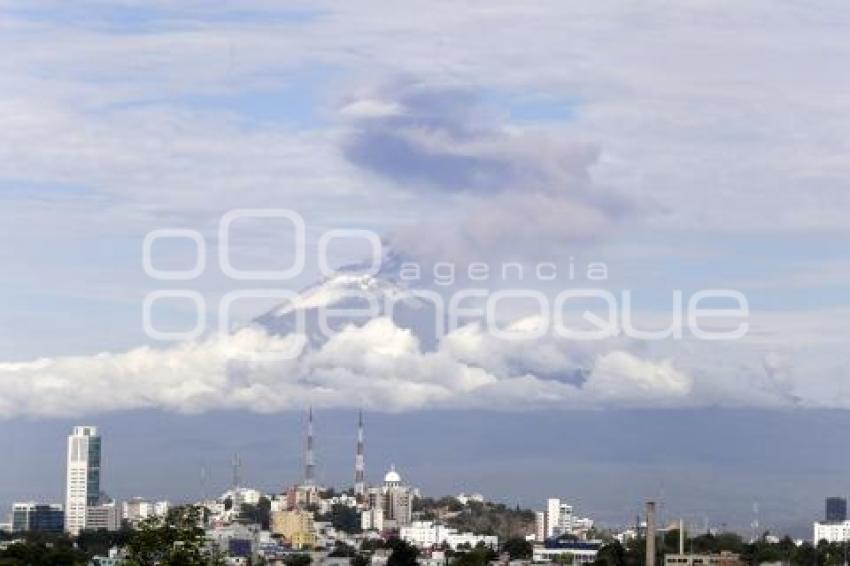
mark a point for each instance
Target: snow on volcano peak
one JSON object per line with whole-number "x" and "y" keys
{"x": 356, "y": 293}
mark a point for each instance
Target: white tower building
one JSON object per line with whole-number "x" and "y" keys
{"x": 82, "y": 485}
{"x": 558, "y": 518}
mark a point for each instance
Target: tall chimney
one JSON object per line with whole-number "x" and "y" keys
{"x": 681, "y": 536}
{"x": 309, "y": 462}
{"x": 650, "y": 533}
{"x": 359, "y": 464}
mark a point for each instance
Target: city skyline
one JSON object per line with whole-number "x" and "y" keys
{"x": 274, "y": 472}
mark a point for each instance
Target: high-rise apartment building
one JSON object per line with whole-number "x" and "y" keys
{"x": 836, "y": 509}
{"x": 82, "y": 486}
{"x": 558, "y": 518}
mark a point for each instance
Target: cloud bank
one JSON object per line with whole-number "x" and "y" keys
{"x": 378, "y": 366}
{"x": 383, "y": 367}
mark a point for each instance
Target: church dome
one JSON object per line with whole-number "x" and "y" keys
{"x": 392, "y": 477}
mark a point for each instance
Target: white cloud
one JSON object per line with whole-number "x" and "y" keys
{"x": 371, "y": 108}
{"x": 621, "y": 376}
{"x": 384, "y": 367}
{"x": 378, "y": 365}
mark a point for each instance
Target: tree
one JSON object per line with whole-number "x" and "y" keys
{"x": 342, "y": 549}
{"x": 403, "y": 554}
{"x": 479, "y": 556}
{"x": 343, "y": 518}
{"x": 371, "y": 544}
{"x": 731, "y": 542}
{"x": 611, "y": 554}
{"x": 670, "y": 542}
{"x": 176, "y": 540}
{"x": 298, "y": 560}
{"x": 635, "y": 551}
{"x": 805, "y": 555}
{"x": 99, "y": 542}
{"x": 704, "y": 544}
{"x": 518, "y": 548}
{"x": 830, "y": 554}
{"x": 58, "y": 552}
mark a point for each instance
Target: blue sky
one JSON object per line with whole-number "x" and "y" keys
{"x": 700, "y": 146}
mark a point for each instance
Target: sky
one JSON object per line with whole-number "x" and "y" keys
{"x": 686, "y": 147}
